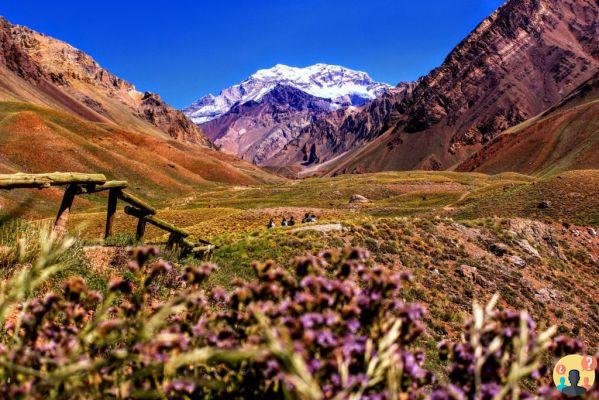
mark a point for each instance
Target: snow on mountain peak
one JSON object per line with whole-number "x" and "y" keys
{"x": 343, "y": 86}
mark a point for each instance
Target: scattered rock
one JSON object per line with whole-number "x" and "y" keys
{"x": 545, "y": 294}
{"x": 592, "y": 231}
{"x": 544, "y": 204}
{"x": 467, "y": 272}
{"x": 517, "y": 261}
{"x": 499, "y": 249}
{"x": 523, "y": 243}
{"x": 436, "y": 272}
{"x": 575, "y": 232}
{"x": 357, "y": 198}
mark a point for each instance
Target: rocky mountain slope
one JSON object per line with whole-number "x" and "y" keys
{"x": 334, "y": 134}
{"x": 518, "y": 62}
{"x": 256, "y": 130}
{"x": 39, "y": 69}
{"x": 341, "y": 85}
{"x": 564, "y": 137}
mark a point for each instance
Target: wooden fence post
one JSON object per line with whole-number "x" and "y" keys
{"x": 60, "y": 224}
{"x": 141, "y": 229}
{"x": 173, "y": 239}
{"x": 111, "y": 210}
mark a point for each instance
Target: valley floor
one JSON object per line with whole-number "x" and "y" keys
{"x": 463, "y": 236}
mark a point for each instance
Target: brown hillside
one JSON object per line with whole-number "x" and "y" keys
{"x": 563, "y": 138}
{"x": 36, "y": 139}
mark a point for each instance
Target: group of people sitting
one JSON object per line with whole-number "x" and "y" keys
{"x": 308, "y": 217}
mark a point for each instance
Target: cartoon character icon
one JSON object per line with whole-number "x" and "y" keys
{"x": 586, "y": 383}
{"x": 562, "y": 383}
{"x": 574, "y": 389}
{"x": 574, "y": 374}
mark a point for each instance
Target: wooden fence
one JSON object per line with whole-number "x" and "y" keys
{"x": 81, "y": 184}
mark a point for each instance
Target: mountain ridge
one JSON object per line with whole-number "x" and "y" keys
{"x": 43, "y": 70}
{"x": 341, "y": 85}
{"x": 258, "y": 118}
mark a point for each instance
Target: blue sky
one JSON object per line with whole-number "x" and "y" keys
{"x": 185, "y": 49}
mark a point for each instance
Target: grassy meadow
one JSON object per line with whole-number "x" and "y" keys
{"x": 429, "y": 223}
{"x": 461, "y": 237}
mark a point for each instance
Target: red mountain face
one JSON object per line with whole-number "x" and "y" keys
{"x": 564, "y": 137}
{"x": 39, "y": 69}
{"x": 523, "y": 59}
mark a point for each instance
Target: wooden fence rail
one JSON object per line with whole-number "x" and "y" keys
{"x": 21, "y": 180}
{"x": 81, "y": 184}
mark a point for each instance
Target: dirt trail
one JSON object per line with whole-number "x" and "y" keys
{"x": 320, "y": 228}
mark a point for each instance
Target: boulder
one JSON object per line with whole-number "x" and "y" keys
{"x": 467, "y": 272}
{"x": 517, "y": 261}
{"x": 592, "y": 231}
{"x": 546, "y": 294}
{"x": 357, "y": 198}
{"x": 499, "y": 249}
{"x": 523, "y": 243}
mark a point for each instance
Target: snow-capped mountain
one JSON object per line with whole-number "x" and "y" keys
{"x": 343, "y": 86}
{"x": 258, "y": 130}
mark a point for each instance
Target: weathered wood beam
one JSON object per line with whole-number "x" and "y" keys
{"x": 136, "y": 212}
{"x": 188, "y": 247}
{"x": 136, "y": 201}
{"x": 203, "y": 249}
{"x": 192, "y": 245}
{"x": 195, "y": 247}
{"x": 202, "y": 241}
{"x": 93, "y": 188}
{"x": 186, "y": 243}
{"x": 157, "y": 222}
{"x": 21, "y": 180}
{"x": 112, "y": 185}
{"x": 111, "y": 211}
{"x": 60, "y": 224}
